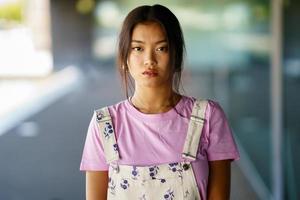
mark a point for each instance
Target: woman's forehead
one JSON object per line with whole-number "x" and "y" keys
{"x": 148, "y": 32}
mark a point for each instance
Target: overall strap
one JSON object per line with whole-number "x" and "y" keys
{"x": 195, "y": 127}
{"x": 107, "y": 135}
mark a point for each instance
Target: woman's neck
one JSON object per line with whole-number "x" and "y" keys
{"x": 152, "y": 101}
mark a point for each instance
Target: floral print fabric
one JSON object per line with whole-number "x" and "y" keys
{"x": 174, "y": 181}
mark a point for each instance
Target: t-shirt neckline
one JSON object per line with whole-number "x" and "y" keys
{"x": 155, "y": 117}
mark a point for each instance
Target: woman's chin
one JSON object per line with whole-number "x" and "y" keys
{"x": 154, "y": 84}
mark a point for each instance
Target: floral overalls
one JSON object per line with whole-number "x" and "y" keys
{"x": 171, "y": 181}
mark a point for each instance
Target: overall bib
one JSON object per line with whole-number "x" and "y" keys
{"x": 171, "y": 181}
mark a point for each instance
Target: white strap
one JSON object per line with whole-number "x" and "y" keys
{"x": 196, "y": 123}
{"x": 107, "y": 134}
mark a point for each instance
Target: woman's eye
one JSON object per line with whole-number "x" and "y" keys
{"x": 137, "y": 48}
{"x": 162, "y": 49}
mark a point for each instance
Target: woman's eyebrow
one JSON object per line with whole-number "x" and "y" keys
{"x": 142, "y": 42}
{"x": 161, "y": 41}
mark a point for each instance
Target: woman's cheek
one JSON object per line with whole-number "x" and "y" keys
{"x": 137, "y": 59}
{"x": 134, "y": 60}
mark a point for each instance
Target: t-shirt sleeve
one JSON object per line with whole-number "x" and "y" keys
{"x": 93, "y": 157}
{"x": 221, "y": 142}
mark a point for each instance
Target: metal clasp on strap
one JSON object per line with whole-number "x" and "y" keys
{"x": 197, "y": 119}
{"x": 188, "y": 156}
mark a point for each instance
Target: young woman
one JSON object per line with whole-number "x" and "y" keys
{"x": 157, "y": 144}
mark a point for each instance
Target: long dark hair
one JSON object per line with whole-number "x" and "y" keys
{"x": 168, "y": 21}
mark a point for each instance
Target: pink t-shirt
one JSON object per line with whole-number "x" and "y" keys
{"x": 152, "y": 139}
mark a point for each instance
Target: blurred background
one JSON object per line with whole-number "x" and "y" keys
{"x": 57, "y": 64}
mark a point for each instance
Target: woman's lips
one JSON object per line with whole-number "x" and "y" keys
{"x": 150, "y": 73}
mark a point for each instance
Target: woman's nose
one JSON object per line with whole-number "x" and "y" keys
{"x": 150, "y": 59}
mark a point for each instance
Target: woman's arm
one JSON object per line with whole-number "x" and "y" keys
{"x": 219, "y": 180}
{"x": 96, "y": 185}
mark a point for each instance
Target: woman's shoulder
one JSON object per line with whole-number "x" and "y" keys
{"x": 213, "y": 109}
{"x": 113, "y": 106}
{"x": 211, "y": 104}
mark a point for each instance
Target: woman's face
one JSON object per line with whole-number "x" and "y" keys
{"x": 148, "y": 59}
